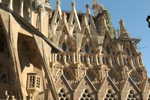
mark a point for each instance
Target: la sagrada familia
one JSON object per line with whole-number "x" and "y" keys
{"x": 49, "y": 54}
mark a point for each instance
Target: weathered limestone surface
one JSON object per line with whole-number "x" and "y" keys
{"x": 48, "y": 54}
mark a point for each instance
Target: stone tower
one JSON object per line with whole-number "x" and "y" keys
{"x": 48, "y": 54}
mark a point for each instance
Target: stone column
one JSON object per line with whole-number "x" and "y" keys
{"x": 10, "y": 4}
{"x": 21, "y": 7}
{"x": 31, "y": 15}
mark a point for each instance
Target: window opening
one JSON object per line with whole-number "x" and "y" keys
{"x": 86, "y": 95}
{"x": 67, "y": 58}
{"x": 61, "y": 57}
{"x": 71, "y": 58}
{"x": 132, "y": 96}
{"x": 34, "y": 81}
{"x": 64, "y": 47}
{"x": 107, "y": 50}
{"x": 73, "y": 21}
{"x": 110, "y": 96}
{"x": 127, "y": 51}
{"x": 57, "y": 20}
{"x": 86, "y": 49}
{"x": 62, "y": 95}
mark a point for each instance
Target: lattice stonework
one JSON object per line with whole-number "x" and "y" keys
{"x": 86, "y": 95}
{"x": 33, "y": 82}
{"x": 132, "y": 96}
{"x": 62, "y": 95}
{"x": 110, "y": 96}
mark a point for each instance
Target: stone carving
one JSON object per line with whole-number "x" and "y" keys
{"x": 101, "y": 7}
{"x": 122, "y": 27}
{"x": 76, "y": 57}
{"x": 39, "y": 4}
{"x": 6, "y": 95}
{"x": 64, "y": 59}
{"x": 87, "y": 60}
{"x": 131, "y": 62}
{"x": 110, "y": 62}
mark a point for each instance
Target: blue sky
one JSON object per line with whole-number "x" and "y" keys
{"x": 133, "y": 12}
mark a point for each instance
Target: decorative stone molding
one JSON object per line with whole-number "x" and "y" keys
{"x": 39, "y": 5}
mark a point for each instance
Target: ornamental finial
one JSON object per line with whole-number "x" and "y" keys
{"x": 73, "y": 3}
{"x": 87, "y": 5}
{"x": 57, "y": 2}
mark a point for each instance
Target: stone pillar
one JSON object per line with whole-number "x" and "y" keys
{"x": 31, "y": 9}
{"x": 10, "y": 4}
{"x": 21, "y": 7}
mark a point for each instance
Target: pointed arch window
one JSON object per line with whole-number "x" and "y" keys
{"x": 127, "y": 51}
{"x": 64, "y": 46}
{"x": 86, "y": 48}
{"x": 107, "y": 50}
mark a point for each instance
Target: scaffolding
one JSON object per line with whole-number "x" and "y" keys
{"x": 125, "y": 37}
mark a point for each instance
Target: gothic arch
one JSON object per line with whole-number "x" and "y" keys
{"x": 85, "y": 46}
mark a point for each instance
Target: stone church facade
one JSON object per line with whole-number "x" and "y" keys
{"x": 49, "y": 54}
